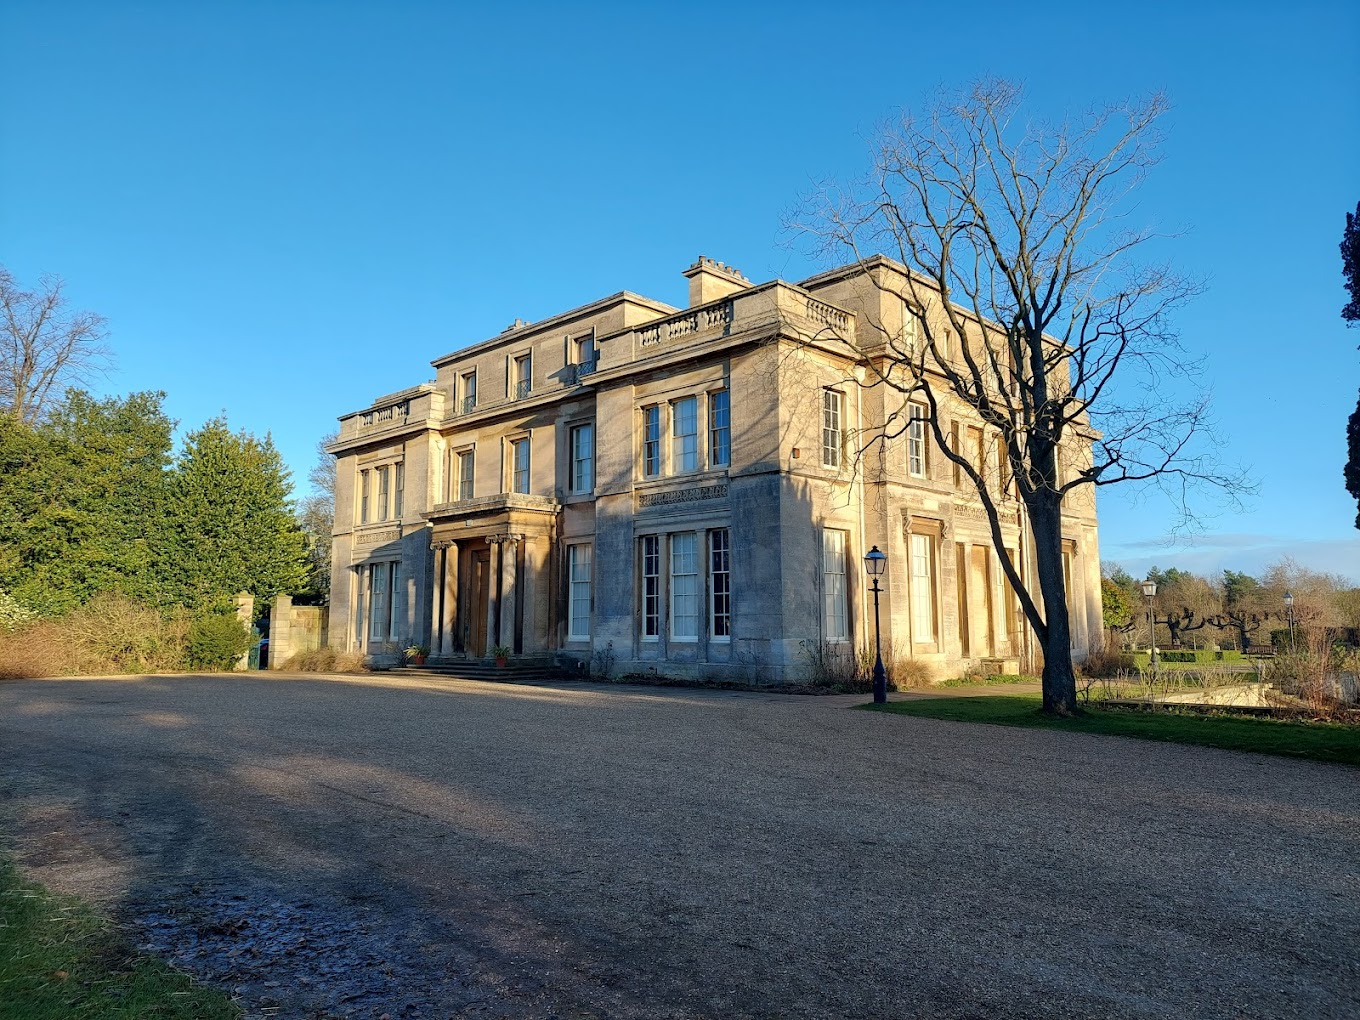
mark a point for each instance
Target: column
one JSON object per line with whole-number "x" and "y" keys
{"x": 449, "y": 601}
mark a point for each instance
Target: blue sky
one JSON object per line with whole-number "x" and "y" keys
{"x": 287, "y": 209}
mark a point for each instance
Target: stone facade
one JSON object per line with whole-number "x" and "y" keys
{"x": 682, "y": 492}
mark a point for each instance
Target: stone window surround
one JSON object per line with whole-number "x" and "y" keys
{"x": 665, "y": 403}
{"x": 508, "y": 442}
{"x": 569, "y": 428}
{"x": 702, "y": 527}
{"x": 368, "y": 466}
{"x": 453, "y": 475}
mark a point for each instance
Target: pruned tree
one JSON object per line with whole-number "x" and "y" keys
{"x": 1033, "y": 311}
{"x": 45, "y": 347}
{"x": 1244, "y": 607}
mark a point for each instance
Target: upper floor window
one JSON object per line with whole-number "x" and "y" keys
{"x": 651, "y": 441}
{"x": 519, "y": 465}
{"x": 466, "y": 465}
{"x": 583, "y": 349}
{"x": 523, "y": 375}
{"x": 581, "y": 468}
{"x": 363, "y": 497}
{"x": 685, "y": 435}
{"x": 719, "y": 429}
{"x": 384, "y": 493}
{"x": 469, "y": 388}
{"x": 831, "y": 427}
{"x": 398, "y": 488}
{"x": 917, "y": 464}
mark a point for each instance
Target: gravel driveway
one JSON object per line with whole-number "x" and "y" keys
{"x": 357, "y": 847}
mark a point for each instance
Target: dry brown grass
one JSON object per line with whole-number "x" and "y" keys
{"x": 34, "y": 652}
{"x": 326, "y": 660}
{"x": 111, "y": 634}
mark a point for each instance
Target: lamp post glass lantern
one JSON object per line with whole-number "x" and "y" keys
{"x": 1289, "y": 613}
{"x": 1150, "y": 590}
{"x": 875, "y": 563}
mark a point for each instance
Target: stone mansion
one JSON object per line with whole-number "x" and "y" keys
{"x": 679, "y": 491}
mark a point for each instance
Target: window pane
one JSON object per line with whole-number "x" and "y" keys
{"x": 651, "y": 586}
{"x": 651, "y": 441}
{"x": 685, "y": 435}
{"x": 684, "y": 586}
{"x": 720, "y": 429}
{"x": 582, "y": 458}
{"x": 382, "y": 493}
{"x": 465, "y": 475}
{"x": 835, "y": 622}
{"x": 720, "y": 572}
{"x": 922, "y": 588}
{"x": 916, "y": 442}
{"x": 399, "y": 488}
{"x": 831, "y": 428}
{"x": 363, "y": 497}
{"x": 578, "y": 610}
{"x": 521, "y": 465}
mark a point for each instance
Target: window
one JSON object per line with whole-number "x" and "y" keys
{"x": 923, "y": 588}
{"x": 582, "y": 464}
{"x": 651, "y": 587}
{"x": 578, "y": 603}
{"x": 469, "y": 392}
{"x": 519, "y": 465}
{"x": 380, "y": 578}
{"x": 910, "y": 330}
{"x": 720, "y": 578}
{"x": 363, "y": 497}
{"x": 916, "y": 442}
{"x": 523, "y": 376}
{"x": 398, "y": 488}
{"x": 685, "y": 587}
{"x": 835, "y": 619}
{"x": 977, "y": 451}
{"x": 383, "y": 477}
{"x": 1003, "y": 466}
{"x": 831, "y": 428}
{"x": 719, "y": 429}
{"x": 583, "y": 349}
{"x": 465, "y": 472}
{"x": 685, "y": 435}
{"x": 651, "y": 441}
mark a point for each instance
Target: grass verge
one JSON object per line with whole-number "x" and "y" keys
{"x": 1329, "y": 742}
{"x": 60, "y": 961}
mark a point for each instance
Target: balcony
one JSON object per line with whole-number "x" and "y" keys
{"x": 585, "y": 368}
{"x": 468, "y": 405}
{"x": 523, "y": 388}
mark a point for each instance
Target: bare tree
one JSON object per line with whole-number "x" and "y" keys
{"x": 316, "y": 517}
{"x": 1031, "y": 311}
{"x": 44, "y": 346}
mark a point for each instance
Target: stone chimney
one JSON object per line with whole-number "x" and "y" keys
{"x": 710, "y": 280}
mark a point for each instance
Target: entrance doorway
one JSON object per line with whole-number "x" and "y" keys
{"x": 479, "y": 596}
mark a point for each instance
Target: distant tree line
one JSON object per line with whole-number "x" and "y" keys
{"x": 1231, "y": 610}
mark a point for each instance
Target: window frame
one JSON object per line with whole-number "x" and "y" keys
{"x": 720, "y": 592}
{"x": 465, "y": 475}
{"x": 652, "y": 464}
{"x": 835, "y": 593}
{"x": 363, "y": 495}
{"x": 691, "y": 538}
{"x": 681, "y": 440}
{"x": 833, "y": 432}
{"x": 574, "y": 462}
{"x": 720, "y": 432}
{"x": 924, "y": 600}
{"x": 575, "y": 615}
{"x": 468, "y": 387}
{"x": 650, "y": 555}
{"x": 523, "y": 374}
{"x": 520, "y": 472}
{"x": 918, "y": 449}
{"x": 398, "y": 489}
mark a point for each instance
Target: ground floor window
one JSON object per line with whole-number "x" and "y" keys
{"x": 835, "y": 615}
{"x": 578, "y": 607}
{"x": 376, "y": 605}
{"x": 651, "y": 587}
{"x": 720, "y": 583}
{"x": 923, "y": 588}
{"x": 685, "y": 586}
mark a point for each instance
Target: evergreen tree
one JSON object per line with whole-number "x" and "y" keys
{"x": 82, "y": 499}
{"x": 231, "y": 525}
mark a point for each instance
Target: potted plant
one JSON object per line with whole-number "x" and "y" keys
{"x": 501, "y": 654}
{"x": 415, "y": 654}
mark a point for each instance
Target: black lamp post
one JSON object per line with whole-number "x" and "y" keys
{"x": 1150, "y": 590}
{"x": 875, "y": 563}
{"x": 1289, "y": 612}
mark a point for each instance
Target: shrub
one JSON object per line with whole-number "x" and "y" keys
{"x": 216, "y": 642}
{"x": 115, "y": 634}
{"x": 905, "y": 673}
{"x": 13, "y": 613}
{"x": 34, "y": 652}
{"x": 326, "y": 660}
{"x": 1106, "y": 662}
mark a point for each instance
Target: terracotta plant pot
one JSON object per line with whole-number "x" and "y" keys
{"x": 501, "y": 660}
{"x": 417, "y": 660}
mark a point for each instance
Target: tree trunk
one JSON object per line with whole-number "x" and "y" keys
{"x": 1059, "y": 679}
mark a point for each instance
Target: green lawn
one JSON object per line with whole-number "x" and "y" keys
{"x": 60, "y": 961}
{"x": 1329, "y": 742}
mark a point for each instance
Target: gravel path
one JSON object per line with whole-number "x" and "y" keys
{"x": 354, "y": 848}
